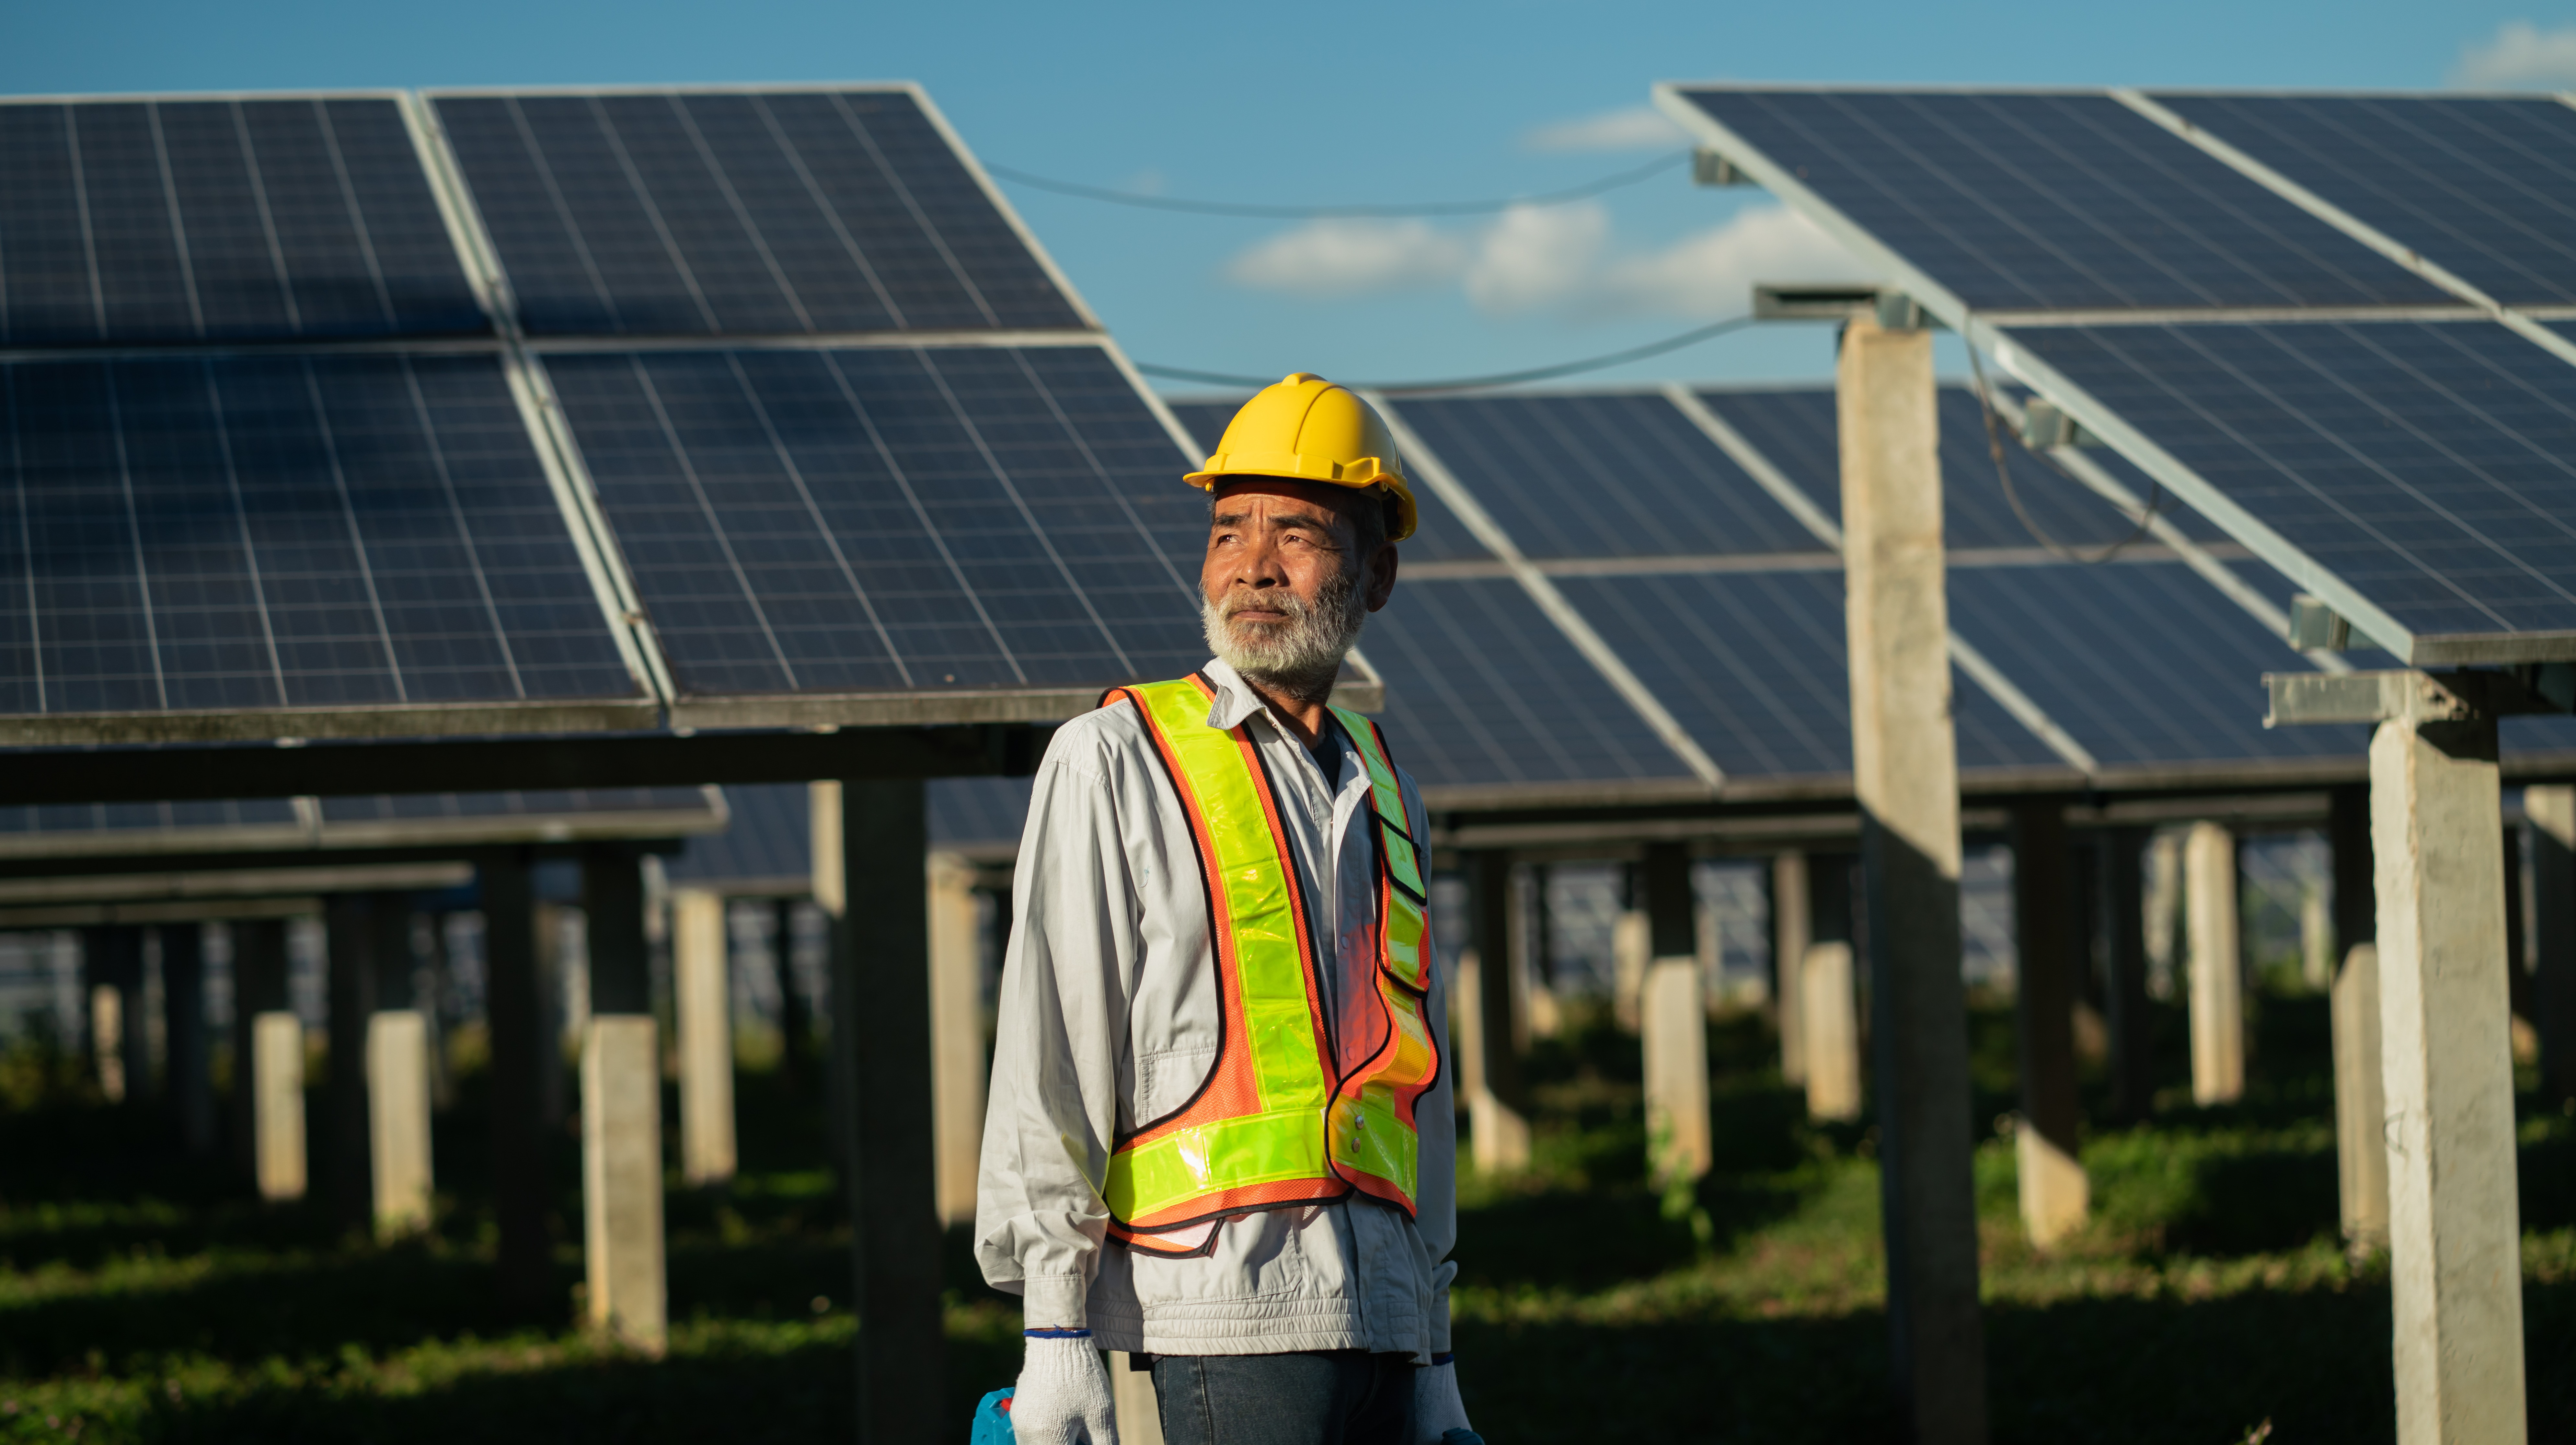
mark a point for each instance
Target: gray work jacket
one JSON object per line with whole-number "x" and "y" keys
{"x": 1109, "y": 1015}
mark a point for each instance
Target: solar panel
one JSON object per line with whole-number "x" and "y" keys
{"x": 735, "y": 214}
{"x": 893, "y": 518}
{"x": 247, "y": 532}
{"x": 2483, "y": 185}
{"x": 2430, "y": 466}
{"x": 2055, "y": 201}
{"x": 970, "y": 812}
{"x": 60, "y": 818}
{"x": 555, "y": 802}
{"x": 1619, "y": 474}
{"x": 217, "y": 220}
{"x": 1438, "y": 534}
{"x": 1755, "y": 667}
{"x": 1796, "y": 430}
{"x": 1484, "y": 691}
{"x": 2141, "y": 662}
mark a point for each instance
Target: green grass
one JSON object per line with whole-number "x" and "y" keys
{"x": 144, "y": 1299}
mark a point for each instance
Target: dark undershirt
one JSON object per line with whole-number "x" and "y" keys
{"x": 1327, "y": 748}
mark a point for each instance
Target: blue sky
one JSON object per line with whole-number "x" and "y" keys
{"x": 1325, "y": 102}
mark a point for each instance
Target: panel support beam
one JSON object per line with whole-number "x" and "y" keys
{"x": 1673, "y": 1018}
{"x": 1905, "y": 773}
{"x": 2217, "y": 970}
{"x": 700, "y": 993}
{"x": 2361, "y": 1113}
{"x": 1483, "y": 1020}
{"x": 881, "y": 1046}
{"x": 2055, "y": 1195}
{"x": 2132, "y": 1019}
{"x": 516, "y": 1013}
{"x": 621, "y": 1109}
{"x": 2552, "y": 811}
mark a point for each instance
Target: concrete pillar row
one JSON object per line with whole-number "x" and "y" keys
{"x": 120, "y": 1050}
{"x": 2361, "y": 1148}
{"x": 2455, "y": 1236}
{"x": 1905, "y": 774}
{"x": 958, "y": 1066}
{"x": 400, "y": 1175}
{"x": 1789, "y": 939}
{"x": 2055, "y": 1195}
{"x": 267, "y": 1113}
{"x": 621, "y": 1109}
{"x": 2552, "y": 811}
{"x": 1829, "y": 1015}
{"x": 700, "y": 998}
{"x": 2217, "y": 979}
{"x": 1673, "y": 1017}
{"x": 1484, "y": 1019}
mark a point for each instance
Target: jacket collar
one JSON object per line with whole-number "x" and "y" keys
{"x": 1235, "y": 699}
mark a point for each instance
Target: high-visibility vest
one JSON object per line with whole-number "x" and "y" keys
{"x": 1299, "y": 1108}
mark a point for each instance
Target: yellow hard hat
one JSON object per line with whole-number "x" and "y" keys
{"x": 1310, "y": 430}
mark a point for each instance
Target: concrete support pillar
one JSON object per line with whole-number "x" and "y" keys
{"x": 2130, "y": 1019}
{"x": 1632, "y": 952}
{"x": 2055, "y": 1196}
{"x": 621, "y": 1179}
{"x": 2217, "y": 967}
{"x": 2163, "y": 911}
{"x": 398, "y": 1120}
{"x": 1484, "y": 1020}
{"x": 189, "y": 1085}
{"x": 2455, "y": 1238}
{"x": 1905, "y": 773}
{"x": 112, "y": 957}
{"x": 957, "y": 1063}
{"x": 515, "y": 1013}
{"x": 831, "y": 893}
{"x": 700, "y": 998}
{"x": 1789, "y": 940}
{"x": 2552, "y": 811}
{"x": 560, "y": 974}
{"x": 259, "y": 986}
{"x": 438, "y": 978}
{"x": 1673, "y": 1017}
{"x": 351, "y": 992}
{"x": 795, "y": 1026}
{"x": 881, "y": 995}
{"x": 621, "y": 1107}
{"x": 1829, "y": 1012}
{"x": 277, "y": 1101}
{"x": 2361, "y": 1113}
{"x": 1131, "y": 1394}
{"x": 397, "y": 1066}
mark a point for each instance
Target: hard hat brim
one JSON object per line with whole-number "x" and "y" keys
{"x": 1358, "y": 475}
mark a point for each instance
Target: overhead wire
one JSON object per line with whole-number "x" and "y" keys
{"x": 1355, "y": 211}
{"x": 2003, "y": 473}
{"x": 1691, "y": 337}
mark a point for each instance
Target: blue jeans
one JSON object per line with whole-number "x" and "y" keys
{"x": 1325, "y": 1397}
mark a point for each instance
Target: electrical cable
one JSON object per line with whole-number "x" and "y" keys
{"x": 1300, "y": 213}
{"x": 1474, "y": 383}
{"x": 2003, "y": 473}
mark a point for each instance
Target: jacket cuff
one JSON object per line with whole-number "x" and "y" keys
{"x": 1057, "y": 1302}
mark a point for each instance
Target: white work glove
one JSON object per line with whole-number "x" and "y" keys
{"x": 1437, "y": 1410}
{"x": 1063, "y": 1396}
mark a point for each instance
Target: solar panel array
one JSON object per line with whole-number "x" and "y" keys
{"x": 221, "y": 826}
{"x": 2279, "y": 305}
{"x": 749, "y": 495}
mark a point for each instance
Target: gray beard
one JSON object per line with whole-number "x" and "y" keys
{"x": 1298, "y": 658}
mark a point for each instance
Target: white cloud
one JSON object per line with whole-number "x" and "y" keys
{"x": 2522, "y": 56}
{"x": 1536, "y": 256}
{"x": 1345, "y": 257}
{"x": 1637, "y": 128}
{"x": 1712, "y": 273}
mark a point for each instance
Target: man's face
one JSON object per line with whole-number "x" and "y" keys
{"x": 1280, "y": 578}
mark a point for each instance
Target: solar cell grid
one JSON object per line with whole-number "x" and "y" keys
{"x": 1602, "y": 475}
{"x": 1796, "y": 430}
{"x": 2141, "y": 662}
{"x": 2484, "y": 186}
{"x": 886, "y": 519}
{"x": 768, "y": 834}
{"x": 257, "y": 532}
{"x": 1484, "y": 691}
{"x": 146, "y": 817}
{"x": 2431, "y": 466}
{"x": 1438, "y": 534}
{"x": 540, "y": 803}
{"x": 2024, "y": 200}
{"x": 1755, "y": 668}
{"x": 741, "y": 214}
{"x": 154, "y": 221}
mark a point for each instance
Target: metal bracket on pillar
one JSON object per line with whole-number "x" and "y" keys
{"x": 2406, "y": 695}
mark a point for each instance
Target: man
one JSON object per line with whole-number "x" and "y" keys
{"x": 1220, "y": 1131}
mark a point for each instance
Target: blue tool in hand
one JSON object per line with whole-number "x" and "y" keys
{"x": 993, "y": 1419}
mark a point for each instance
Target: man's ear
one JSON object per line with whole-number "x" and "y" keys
{"x": 1381, "y": 577}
